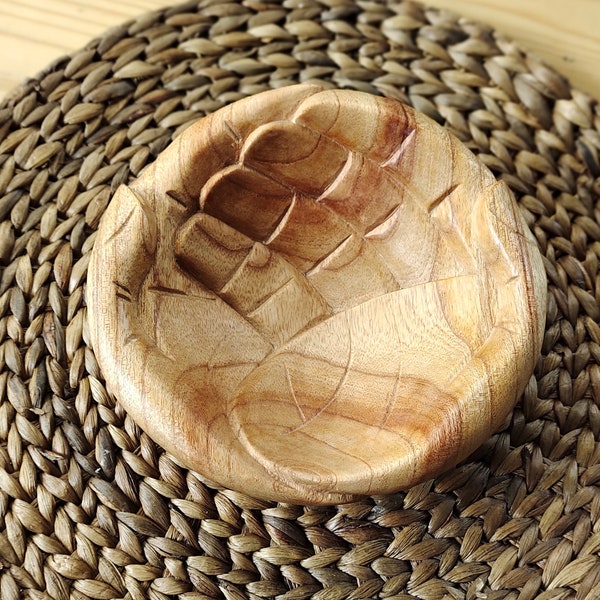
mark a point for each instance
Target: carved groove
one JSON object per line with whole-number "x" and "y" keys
{"x": 122, "y": 291}
{"x": 443, "y": 196}
{"x": 178, "y": 198}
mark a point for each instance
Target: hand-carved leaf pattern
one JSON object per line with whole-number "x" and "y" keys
{"x": 340, "y": 296}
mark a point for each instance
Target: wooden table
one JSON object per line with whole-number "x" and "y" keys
{"x": 564, "y": 33}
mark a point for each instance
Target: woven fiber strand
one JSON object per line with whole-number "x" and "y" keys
{"x": 90, "y": 507}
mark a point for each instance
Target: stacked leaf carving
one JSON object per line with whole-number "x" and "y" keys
{"x": 316, "y": 294}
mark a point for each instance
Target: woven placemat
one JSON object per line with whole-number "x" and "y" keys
{"x": 90, "y": 507}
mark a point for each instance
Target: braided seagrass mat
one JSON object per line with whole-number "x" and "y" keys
{"x": 90, "y": 507}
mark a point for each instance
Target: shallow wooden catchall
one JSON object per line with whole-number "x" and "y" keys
{"x": 314, "y": 294}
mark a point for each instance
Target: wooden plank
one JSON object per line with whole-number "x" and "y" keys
{"x": 35, "y": 32}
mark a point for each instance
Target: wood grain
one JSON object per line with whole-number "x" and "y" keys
{"x": 35, "y": 32}
{"x": 315, "y": 294}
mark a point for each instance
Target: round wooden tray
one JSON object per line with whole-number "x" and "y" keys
{"x": 317, "y": 294}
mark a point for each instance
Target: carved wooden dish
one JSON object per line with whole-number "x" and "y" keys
{"x": 313, "y": 295}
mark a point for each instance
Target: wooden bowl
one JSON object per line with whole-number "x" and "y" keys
{"x": 313, "y": 295}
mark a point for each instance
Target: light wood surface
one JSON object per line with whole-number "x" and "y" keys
{"x": 316, "y": 294}
{"x": 565, "y": 34}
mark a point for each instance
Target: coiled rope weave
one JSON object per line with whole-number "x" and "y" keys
{"x": 90, "y": 507}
